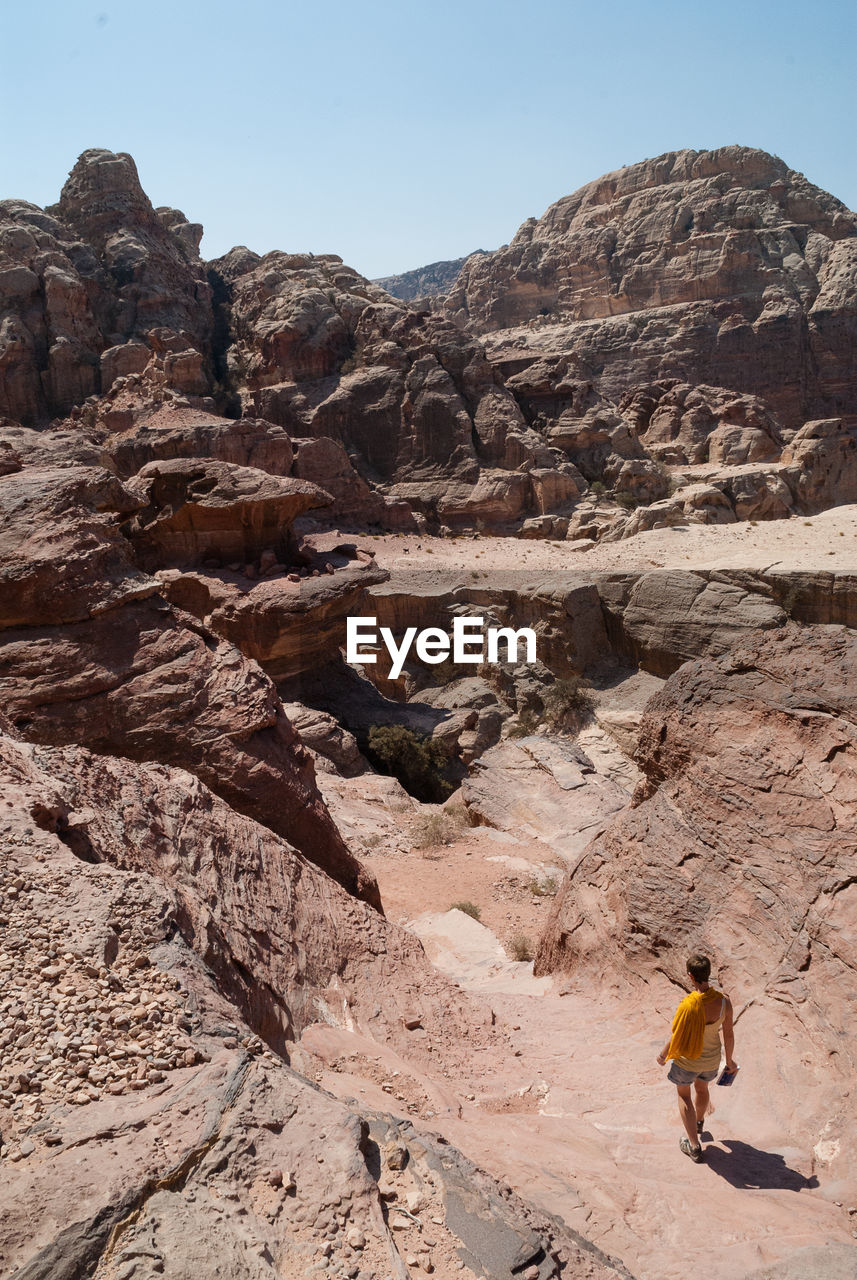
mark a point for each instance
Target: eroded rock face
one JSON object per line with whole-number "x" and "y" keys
{"x": 325, "y": 353}
{"x": 198, "y": 510}
{"x": 132, "y": 901}
{"x": 700, "y": 312}
{"x": 288, "y": 627}
{"x": 100, "y": 271}
{"x": 720, "y": 267}
{"x": 240, "y": 892}
{"x": 151, "y": 683}
{"x": 62, "y": 557}
{"x": 172, "y": 432}
{"x": 660, "y": 619}
{"x": 92, "y": 653}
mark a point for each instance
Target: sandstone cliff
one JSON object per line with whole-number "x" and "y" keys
{"x": 146, "y": 1128}
{"x": 91, "y": 653}
{"x": 719, "y": 267}
{"x": 657, "y": 338}
{"x": 741, "y": 841}
{"x": 189, "y": 943}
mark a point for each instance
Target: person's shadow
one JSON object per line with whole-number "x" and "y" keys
{"x": 747, "y": 1167}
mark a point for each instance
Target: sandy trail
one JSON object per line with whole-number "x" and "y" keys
{"x": 580, "y": 1119}
{"x": 826, "y": 541}
{"x": 577, "y": 1116}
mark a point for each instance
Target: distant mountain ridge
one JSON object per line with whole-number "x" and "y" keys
{"x": 425, "y": 282}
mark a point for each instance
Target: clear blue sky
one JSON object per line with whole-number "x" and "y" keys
{"x": 398, "y": 133}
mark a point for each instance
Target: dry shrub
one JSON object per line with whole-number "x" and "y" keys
{"x": 568, "y": 702}
{"x": 444, "y": 826}
{"x": 545, "y": 888}
{"x": 520, "y": 947}
{"x": 469, "y": 909}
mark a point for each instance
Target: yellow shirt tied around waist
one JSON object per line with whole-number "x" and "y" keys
{"x": 688, "y": 1030}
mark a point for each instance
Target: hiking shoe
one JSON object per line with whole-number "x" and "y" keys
{"x": 695, "y": 1153}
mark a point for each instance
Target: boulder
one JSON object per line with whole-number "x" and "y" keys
{"x": 498, "y": 497}
{"x": 756, "y": 493}
{"x": 737, "y": 445}
{"x": 326, "y": 737}
{"x": 820, "y": 464}
{"x": 544, "y": 790}
{"x": 171, "y": 432}
{"x": 62, "y": 557}
{"x": 201, "y": 509}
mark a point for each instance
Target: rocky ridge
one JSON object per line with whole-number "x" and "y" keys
{"x": 681, "y": 266}
{"x": 485, "y": 412}
{"x": 425, "y": 282}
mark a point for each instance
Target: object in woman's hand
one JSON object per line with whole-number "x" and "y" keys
{"x": 727, "y": 1076}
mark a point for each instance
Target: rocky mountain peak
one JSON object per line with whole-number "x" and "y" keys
{"x": 103, "y": 188}
{"x": 707, "y": 266}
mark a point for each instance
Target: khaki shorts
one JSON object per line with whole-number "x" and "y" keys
{"x": 678, "y": 1075}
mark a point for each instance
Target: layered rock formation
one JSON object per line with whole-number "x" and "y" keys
{"x": 91, "y": 653}
{"x": 184, "y": 926}
{"x": 83, "y": 283}
{"x": 699, "y": 311}
{"x": 322, "y": 352}
{"x": 693, "y": 309}
{"x": 108, "y": 314}
{"x": 719, "y": 267}
{"x": 142, "y": 918}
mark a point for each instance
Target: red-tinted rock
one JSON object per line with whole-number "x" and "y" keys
{"x": 149, "y": 683}
{"x": 62, "y": 557}
{"x": 742, "y": 839}
{"x": 197, "y": 509}
{"x": 720, "y": 267}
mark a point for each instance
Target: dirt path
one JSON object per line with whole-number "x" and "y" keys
{"x": 580, "y": 1119}
{"x": 826, "y": 541}
{"x": 577, "y": 1116}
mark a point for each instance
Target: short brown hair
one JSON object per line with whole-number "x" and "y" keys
{"x": 699, "y": 967}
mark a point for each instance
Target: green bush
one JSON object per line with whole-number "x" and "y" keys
{"x": 567, "y": 702}
{"x": 417, "y": 761}
{"x": 598, "y": 488}
{"x": 625, "y": 499}
{"x": 469, "y": 909}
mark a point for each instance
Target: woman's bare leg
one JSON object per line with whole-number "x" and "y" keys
{"x": 687, "y": 1112}
{"x": 702, "y": 1098}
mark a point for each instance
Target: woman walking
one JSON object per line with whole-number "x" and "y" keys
{"x": 694, "y": 1047}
